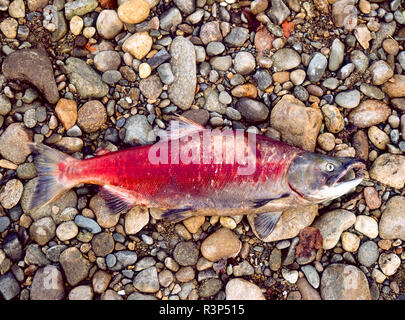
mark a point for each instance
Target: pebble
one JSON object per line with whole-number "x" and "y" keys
{"x": 237, "y": 37}
{"x": 33, "y": 66}
{"x": 67, "y": 230}
{"x": 100, "y": 281}
{"x": 368, "y": 253}
{"x": 336, "y": 56}
{"x": 297, "y": 124}
{"x": 76, "y": 25}
{"x": 317, "y": 67}
{"x": 333, "y": 119}
{"x": 372, "y": 198}
{"x": 332, "y": 224}
{"x": 107, "y": 60}
{"x": 91, "y": 116}
{"x": 244, "y": 63}
{"x": 47, "y": 284}
{"x": 348, "y": 99}
{"x": 240, "y": 289}
{"x": 138, "y": 131}
{"x": 183, "y": 63}
{"x": 11, "y": 194}
{"x": 311, "y": 275}
{"x": 139, "y": 44}
{"x": 326, "y": 141}
{"x": 209, "y": 288}
{"x": 380, "y": 72}
{"x": 392, "y": 220}
{"x": 360, "y": 60}
{"x": 378, "y": 137}
{"x": 223, "y": 243}
{"x": 350, "y": 242}
{"x": 170, "y": 19}
{"x": 66, "y": 110}
{"x": 165, "y": 73}
{"x": 9, "y": 27}
{"x": 290, "y": 275}
{"x": 147, "y": 280}
{"x": 221, "y": 63}
{"x": 102, "y": 244}
{"x": 144, "y": 70}
{"x": 17, "y": 9}
{"x": 389, "y": 170}
{"x": 9, "y": 287}
{"x": 306, "y": 290}
{"x": 75, "y": 266}
{"x": 133, "y": 11}
{"x": 186, "y": 254}
{"x": 344, "y": 282}
{"x": 389, "y": 263}
{"x": 79, "y": 8}
{"x": 368, "y": 113}
{"x": 104, "y": 217}
{"x": 297, "y": 77}
{"x": 108, "y": 24}
{"x": 43, "y": 230}
{"x": 286, "y": 59}
{"x": 253, "y": 111}
{"x": 87, "y": 82}
{"x": 396, "y": 88}
{"x": 215, "y": 48}
{"x": 210, "y": 32}
{"x": 136, "y": 219}
{"x": 83, "y": 292}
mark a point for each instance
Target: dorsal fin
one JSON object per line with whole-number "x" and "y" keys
{"x": 179, "y": 127}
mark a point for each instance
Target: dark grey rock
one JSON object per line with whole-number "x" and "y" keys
{"x": 170, "y": 18}
{"x": 12, "y": 247}
{"x": 263, "y": 79}
{"x": 209, "y": 288}
{"x": 186, "y": 254}
{"x": 4, "y": 223}
{"x": 34, "y": 255}
{"x": 160, "y": 57}
{"x": 9, "y": 287}
{"x": 253, "y": 111}
{"x": 34, "y": 66}
{"x": 237, "y": 37}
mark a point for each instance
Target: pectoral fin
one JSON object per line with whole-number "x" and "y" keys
{"x": 263, "y": 202}
{"x": 265, "y": 223}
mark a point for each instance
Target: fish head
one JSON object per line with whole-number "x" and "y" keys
{"x": 318, "y": 178}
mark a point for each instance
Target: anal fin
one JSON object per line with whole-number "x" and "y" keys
{"x": 176, "y": 215}
{"x": 117, "y": 200}
{"x": 265, "y": 223}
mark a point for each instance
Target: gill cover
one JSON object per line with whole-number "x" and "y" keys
{"x": 318, "y": 178}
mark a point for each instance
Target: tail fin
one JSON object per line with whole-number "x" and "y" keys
{"x": 51, "y": 183}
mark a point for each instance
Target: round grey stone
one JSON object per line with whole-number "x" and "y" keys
{"x": 368, "y": 253}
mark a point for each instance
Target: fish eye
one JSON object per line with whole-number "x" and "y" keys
{"x": 330, "y": 167}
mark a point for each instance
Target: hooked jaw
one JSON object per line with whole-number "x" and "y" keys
{"x": 345, "y": 182}
{"x": 318, "y": 178}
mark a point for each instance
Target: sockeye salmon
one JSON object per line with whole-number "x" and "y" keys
{"x": 194, "y": 171}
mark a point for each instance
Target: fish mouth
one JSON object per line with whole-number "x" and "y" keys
{"x": 352, "y": 172}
